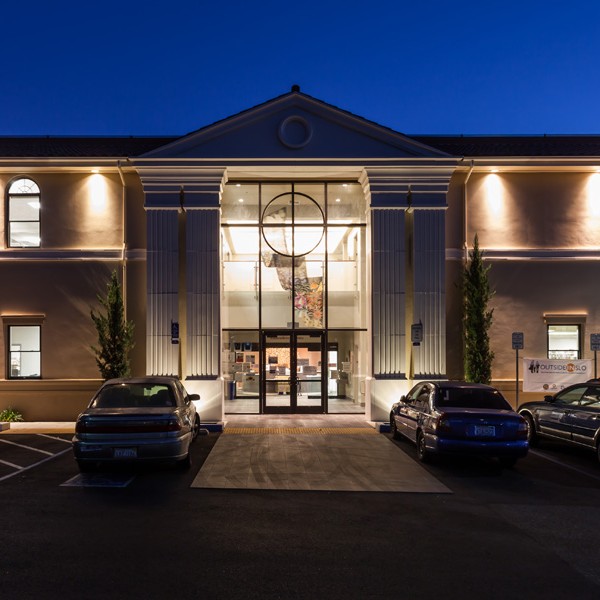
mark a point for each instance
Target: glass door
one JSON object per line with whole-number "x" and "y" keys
{"x": 293, "y": 374}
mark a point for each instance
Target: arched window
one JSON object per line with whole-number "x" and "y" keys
{"x": 23, "y": 214}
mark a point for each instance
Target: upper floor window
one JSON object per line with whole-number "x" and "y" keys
{"x": 24, "y": 214}
{"x": 564, "y": 341}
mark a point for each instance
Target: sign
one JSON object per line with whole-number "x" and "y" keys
{"x": 518, "y": 340}
{"x": 174, "y": 332}
{"x": 595, "y": 342}
{"x": 416, "y": 333}
{"x": 552, "y": 375}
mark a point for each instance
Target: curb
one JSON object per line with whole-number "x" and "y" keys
{"x": 4, "y": 426}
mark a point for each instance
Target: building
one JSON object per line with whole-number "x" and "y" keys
{"x": 289, "y": 250}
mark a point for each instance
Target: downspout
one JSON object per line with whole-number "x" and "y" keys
{"x": 124, "y": 241}
{"x": 465, "y": 222}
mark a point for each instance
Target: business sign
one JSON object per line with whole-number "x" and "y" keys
{"x": 552, "y": 375}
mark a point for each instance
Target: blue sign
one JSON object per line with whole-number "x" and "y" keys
{"x": 174, "y": 332}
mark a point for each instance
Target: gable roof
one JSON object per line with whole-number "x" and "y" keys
{"x": 324, "y": 131}
{"x": 334, "y": 119}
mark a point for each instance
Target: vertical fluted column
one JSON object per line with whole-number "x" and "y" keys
{"x": 389, "y": 293}
{"x": 429, "y": 293}
{"x": 162, "y": 357}
{"x": 203, "y": 293}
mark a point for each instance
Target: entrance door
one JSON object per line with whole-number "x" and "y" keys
{"x": 293, "y": 373}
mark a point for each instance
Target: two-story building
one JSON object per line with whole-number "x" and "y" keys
{"x": 288, "y": 250}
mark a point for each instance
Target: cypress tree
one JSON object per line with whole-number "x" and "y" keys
{"x": 477, "y": 318}
{"x": 115, "y": 334}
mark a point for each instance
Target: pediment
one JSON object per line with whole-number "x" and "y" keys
{"x": 294, "y": 126}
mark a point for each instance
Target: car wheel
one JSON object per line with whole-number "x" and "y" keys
{"x": 508, "y": 462}
{"x": 532, "y": 436}
{"x": 196, "y": 428}
{"x": 422, "y": 453}
{"x": 394, "y": 428}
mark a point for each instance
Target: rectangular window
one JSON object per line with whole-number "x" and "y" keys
{"x": 25, "y": 352}
{"x": 24, "y": 224}
{"x": 564, "y": 342}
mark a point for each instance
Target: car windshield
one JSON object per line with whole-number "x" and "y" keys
{"x": 471, "y": 398}
{"x": 134, "y": 395}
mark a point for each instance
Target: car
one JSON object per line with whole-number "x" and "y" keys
{"x": 456, "y": 417}
{"x": 137, "y": 420}
{"x": 572, "y": 415}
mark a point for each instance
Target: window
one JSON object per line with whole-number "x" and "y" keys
{"x": 564, "y": 342}
{"x": 23, "y": 214}
{"x": 25, "y": 354}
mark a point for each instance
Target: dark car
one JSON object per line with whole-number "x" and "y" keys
{"x": 137, "y": 420}
{"x": 571, "y": 415}
{"x": 454, "y": 417}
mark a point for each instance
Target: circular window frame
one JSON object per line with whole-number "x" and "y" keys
{"x": 291, "y": 225}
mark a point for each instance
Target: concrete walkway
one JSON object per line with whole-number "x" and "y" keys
{"x": 311, "y": 452}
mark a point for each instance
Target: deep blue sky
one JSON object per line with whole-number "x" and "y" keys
{"x": 168, "y": 68}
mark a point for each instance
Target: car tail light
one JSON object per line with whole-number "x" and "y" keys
{"x": 442, "y": 424}
{"x": 522, "y": 428}
{"x": 168, "y": 424}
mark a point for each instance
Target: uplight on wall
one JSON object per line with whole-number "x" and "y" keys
{"x": 97, "y": 194}
{"x": 494, "y": 194}
{"x": 593, "y": 195}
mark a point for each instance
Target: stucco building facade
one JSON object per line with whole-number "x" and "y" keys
{"x": 277, "y": 260}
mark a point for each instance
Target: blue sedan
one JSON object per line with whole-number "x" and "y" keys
{"x": 454, "y": 417}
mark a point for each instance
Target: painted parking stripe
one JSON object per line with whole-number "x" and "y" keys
{"x": 28, "y": 447}
{"x": 9, "y": 464}
{"x": 564, "y": 464}
{"x": 112, "y": 480}
{"x": 52, "y": 437}
{"x": 40, "y": 462}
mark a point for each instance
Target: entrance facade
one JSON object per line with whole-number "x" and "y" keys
{"x": 294, "y": 303}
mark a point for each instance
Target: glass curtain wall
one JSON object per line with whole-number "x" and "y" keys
{"x": 294, "y": 259}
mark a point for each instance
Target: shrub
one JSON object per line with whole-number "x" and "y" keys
{"x": 10, "y": 415}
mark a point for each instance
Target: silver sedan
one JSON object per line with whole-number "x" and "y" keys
{"x": 137, "y": 419}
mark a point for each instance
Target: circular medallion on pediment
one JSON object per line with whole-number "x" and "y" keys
{"x": 295, "y": 132}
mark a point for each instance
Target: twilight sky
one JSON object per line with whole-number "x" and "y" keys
{"x": 422, "y": 66}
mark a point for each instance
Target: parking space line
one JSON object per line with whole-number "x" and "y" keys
{"x": 9, "y": 464}
{"x": 564, "y": 464}
{"x": 28, "y": 447}
{"x": 35, "y": 464}
{"x": 51, "y": 437}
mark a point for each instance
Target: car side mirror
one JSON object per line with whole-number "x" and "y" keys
{"x": 403, "y": 398}
{"x": 548, "y": 398}
{"x": 194, "y": 396}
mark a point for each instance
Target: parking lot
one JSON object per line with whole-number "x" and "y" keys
{"x": 526, "y": 532}
{"x": 20, "y": 453}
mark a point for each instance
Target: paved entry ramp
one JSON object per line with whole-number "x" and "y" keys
{"x": 357, "y": 459}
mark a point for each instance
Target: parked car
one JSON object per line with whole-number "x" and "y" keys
{"x": 454, "y": 417}
{"x": 137, "y": 420}
{"x": 571, "y": 415}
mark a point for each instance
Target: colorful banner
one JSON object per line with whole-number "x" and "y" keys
{"x": 547, "y": 375}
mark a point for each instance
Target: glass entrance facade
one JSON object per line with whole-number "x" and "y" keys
{"x": 294, "y": 277}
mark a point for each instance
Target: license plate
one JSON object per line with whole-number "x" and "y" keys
{"x": 484, "y": 430}
{"x": 125, "y": 452}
